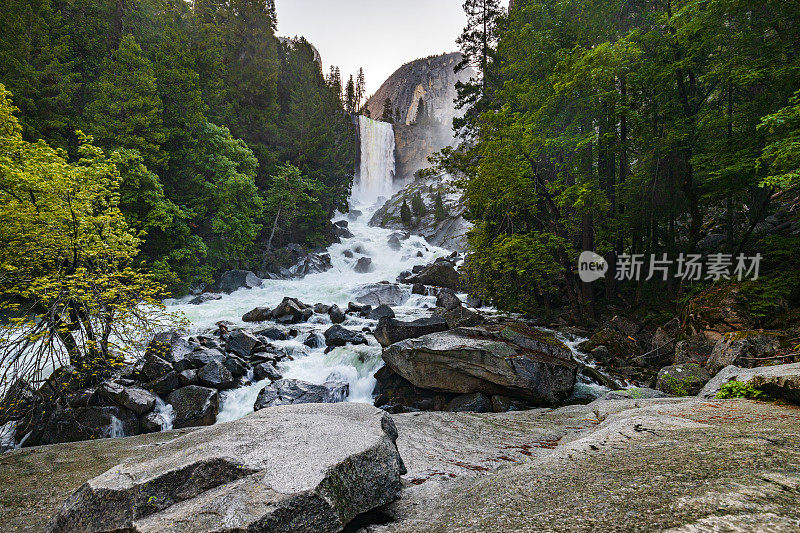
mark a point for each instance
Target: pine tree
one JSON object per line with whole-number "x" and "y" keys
{"x": 439, "y": 211}
{"x": 361, "y": 88}
{"x": 405, "y": 214}
{"x": 418, "y": 205}
{"x": 127, "y": 112}
{"x": 350, "y": 96}
{"x": 388, "y": 111}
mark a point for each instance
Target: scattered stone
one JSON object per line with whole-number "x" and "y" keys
{"x": 292, "y": 391}
{"x": 363, "y": 265}
{"x": 165, "y": 384}
{"x": 259, "y": 314}
{"x": 447, "y": 299}
{"x": 473, "y": 403}
{"x": 440, "y": 274}
{"x": 390, "y": 330}
{"x": 382, "y": 311}
{"x": 235, "y": 366}
{"x": 242, "y": 343}
{"x": 376, "y": 294}
{"x": 695, "y": 349}
{"x": 338, "y": 336}
{"x": 135, "y": 399}
{"x": 273, "y": 334}
{"x": 289, "y": 311}
{"x": 459, "y": 316}
{"x": 617, "y": 343}
{"x": 419, "y": 288}
{"x": 682, "y": 380}
{"x": 188, "y": 377}
{"x": 336, "y": 315}
{"x": 233, "y": 280}
{"x": 155, "y": 367}
{"x": 266, "y": 371}
{"x": 322, "y": 309}
{"x": 205, "y": 297}
{"x": 314, "y": 340}
{"x": 204, "y": 356}
{"x": 394, "y": 242}
{"x": 194, "y": 406}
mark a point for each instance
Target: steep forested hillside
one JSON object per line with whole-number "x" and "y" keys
{"x": 630, "y": 128}
{"x": 198, "y": 105}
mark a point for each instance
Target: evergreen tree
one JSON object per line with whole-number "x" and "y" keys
{"x": 439, "y": 211}
{"x": 286, "y": 197}
{"x": 350, "y": 96}
{"x": 361, "y": 88}
{"x": 405, "y": 213}
{"x": 418, "y": 205}
{"x": 388, "y": 111}
{"x": 127, "y": 112}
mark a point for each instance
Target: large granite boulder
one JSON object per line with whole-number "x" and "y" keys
{"x": 259, "y": 314}
{"x": 746, "y": 349}
{"x": 438, "y": 274}
{"x": 216, "y": 375}
{"x": 390, "y": 330}
{"x": 718, "y": 310}
{"x": 511, "y": 359}
{"x": 84, "y": 423}
{"x": 291, "y": 391}
{"x": 242, "y": 343}
{"x": 233, "y": 280}
{"x": 293, "y": 468}
{"x": 376, "y": 294}
{"x": 194, "y": 406}
{"x": 695, "y": 349}
{"x": 171, "y": 346}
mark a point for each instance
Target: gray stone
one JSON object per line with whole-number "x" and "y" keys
{"x": 259, "y": 314}
{"x": 695, "y": 349}
{"x": 155, "y": 367}
{"x": 203, "y": 356}
{"x": 376, "y": 294}
{"x": 289, "y": 311}
{"x": 136, "y": 399}
{"x": 476, "y": 402}
{"x": 314, "y": 340}
{"x": 233, "y": 280}
{"x": 634, "y": 393}
{"x": 205, "y": 297}
{"x": 242, "y": 343}
{"x": 194, "y": 406}
{"x": 382, "y": 311}
{"x": 779, "y": 381}
{"x": 171, "y": 346}
{"x": 512, "y": 360}
{"x": 165, "y": 384}
{"x": 363, "y": 265}
{"x": 85, "y": 423}
{"x": 321, "y": 309}
{"x": 744, "y": 348}
{"x": 447, "y": 299}
{"x": 459, "y": 316}
{"x": 294, "y": 468}
{"x": 273, "y": 333}
{"x": 336, "y": 315}
{"x": 338, "y": 336}
{"x": 390, "y": 331}
{"x": 215, "y": 375}
{"x": 440, "y": 274}
{"x": 188, "y": 377}
{"x": 292, "y": 391}
{"x": 264, "y": 371}
{"x": 682, "y": 380}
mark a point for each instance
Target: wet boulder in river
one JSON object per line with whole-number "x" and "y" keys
{"x": 292, "y": 391}
{"x": 376, "y": 294}
{"x": 338, "y": 336}
{"x": 390, "y": 331}
{"x": 194, "y": 406}
{"x": 233, "y": 280}
{"x": 259, "y": 314}
{"x": 363, "y": 265}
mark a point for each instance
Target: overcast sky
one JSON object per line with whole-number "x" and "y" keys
{"x": 379, "y": 35}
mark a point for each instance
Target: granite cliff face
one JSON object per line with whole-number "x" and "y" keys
{"x": 433, "y": 80}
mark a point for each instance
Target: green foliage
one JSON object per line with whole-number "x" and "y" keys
{"x": 405, "y": 213}
{"x": 127, "y": 112}
{"x": 439, "y": 210}
{"x": 168, "y": 89}
{"x": 737, "y": 389}
{"x": 418, "y": 205}
{"x": 290, "y": 195}
{"x": 69, "y": 276}
{"x": 626, "y": 128}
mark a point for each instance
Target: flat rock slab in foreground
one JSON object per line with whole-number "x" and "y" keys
{"x": 289, "y": 468}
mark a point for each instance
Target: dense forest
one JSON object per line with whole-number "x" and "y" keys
{"x": 630, "y": 127}
{"x": 201, "y": 110}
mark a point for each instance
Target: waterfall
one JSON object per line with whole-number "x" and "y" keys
{"x": 376, "y": 168}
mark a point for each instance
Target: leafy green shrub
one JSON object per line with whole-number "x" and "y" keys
{"x": 737, "y": 389}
